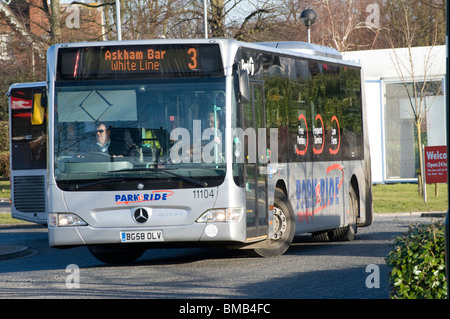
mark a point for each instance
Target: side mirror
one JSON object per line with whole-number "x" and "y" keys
{"x": 244, "y": 87}
{"x": 39, "y": 104}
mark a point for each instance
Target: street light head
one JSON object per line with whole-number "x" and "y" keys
{"x": 308, "y": 17}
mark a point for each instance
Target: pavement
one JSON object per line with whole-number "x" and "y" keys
{"x": 12, "y": 251}
{"x": 16, "y": 251}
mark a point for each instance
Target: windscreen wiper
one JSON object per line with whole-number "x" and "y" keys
{"x": 188, "y": 179}
{"x": 168, "y": 171}
{"x": 78, "y": 186}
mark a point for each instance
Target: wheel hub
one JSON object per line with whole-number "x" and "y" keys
{"x": 280, "y": 223}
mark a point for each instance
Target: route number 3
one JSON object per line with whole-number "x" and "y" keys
{"x": 193, "y": 54}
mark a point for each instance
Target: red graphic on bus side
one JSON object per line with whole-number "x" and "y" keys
{"x": 315, "y": 194}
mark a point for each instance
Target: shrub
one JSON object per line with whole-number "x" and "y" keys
{"x": 4, "y": 136}
{"x": 418, "y": 263}
{"x": 4, "y": 164}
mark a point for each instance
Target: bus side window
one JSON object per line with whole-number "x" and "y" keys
{"x": 244, "y": 87}
{"x": 38, "y": 109}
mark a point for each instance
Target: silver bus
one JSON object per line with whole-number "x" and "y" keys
{"x": 158, "y": 143}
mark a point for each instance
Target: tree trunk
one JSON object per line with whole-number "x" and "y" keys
{"x": 55, "y": 20}
{"x": 217, "y": 24}
{"x": 419, "y": 146}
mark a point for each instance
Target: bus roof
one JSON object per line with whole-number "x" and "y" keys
{"x": 305, "y": 47}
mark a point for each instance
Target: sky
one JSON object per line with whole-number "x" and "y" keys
{"x": 242, "y": 10}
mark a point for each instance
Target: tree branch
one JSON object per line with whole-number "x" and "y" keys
{"x": 247, "y": 19}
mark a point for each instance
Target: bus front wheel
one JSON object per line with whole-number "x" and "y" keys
{"x": 284, "y": 228}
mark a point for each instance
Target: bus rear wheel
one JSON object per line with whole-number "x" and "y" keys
{"x": 347, "y": 233}
{"x": 284, "y": 228}
{"x": 116, "y": 254}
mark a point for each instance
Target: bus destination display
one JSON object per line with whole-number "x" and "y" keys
{"x": 139, "y": 61}
{"x": 148, "y": 60}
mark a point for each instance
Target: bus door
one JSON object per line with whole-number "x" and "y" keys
{"x": 28, "y": 152}
{"x": 255, "y": 163}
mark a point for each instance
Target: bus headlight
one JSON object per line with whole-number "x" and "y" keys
{"x": 222, "y": 215}
{"x": 65, "y": 219}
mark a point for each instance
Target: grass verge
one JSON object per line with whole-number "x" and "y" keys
{"x": 5, "y": 218}
{"x": 396, "y": 198}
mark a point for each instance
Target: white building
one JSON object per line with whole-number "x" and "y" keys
{"x": 391, "y": 126}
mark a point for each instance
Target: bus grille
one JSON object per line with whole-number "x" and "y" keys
{"x": 29, "y": 194}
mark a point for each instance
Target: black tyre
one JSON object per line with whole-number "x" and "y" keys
{"x": 347, "y": 233}
{"x": 322, "y": 236}
{"x": 116, "y": 254}
{"x": 284, "y": 228}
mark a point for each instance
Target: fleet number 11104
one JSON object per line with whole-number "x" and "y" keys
{"x": 203, "y": 193}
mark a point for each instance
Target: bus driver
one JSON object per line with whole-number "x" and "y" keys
{"x": 102, "y": 137}
{"x": 113, "y": 148}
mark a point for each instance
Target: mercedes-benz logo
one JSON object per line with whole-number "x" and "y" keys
{"x": 140, "y": 215}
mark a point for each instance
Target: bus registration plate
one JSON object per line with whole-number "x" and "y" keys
{"x": 141, "y": 236}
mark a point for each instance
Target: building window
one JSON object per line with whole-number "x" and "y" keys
{"x": 400, "y": 130}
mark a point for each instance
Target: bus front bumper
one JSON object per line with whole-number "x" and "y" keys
{"x": 194, "y": 233}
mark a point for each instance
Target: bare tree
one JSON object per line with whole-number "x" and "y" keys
{"x": 417, "y": 86}
{"x": 251, "y": 20}
{"x": 413, "y": 23}
{"x": 342, "y": 22}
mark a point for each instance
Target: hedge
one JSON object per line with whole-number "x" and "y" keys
{"x": 4, "y": 136}
{"x": 4, "y": 149}
{"x": 417, "y": 261}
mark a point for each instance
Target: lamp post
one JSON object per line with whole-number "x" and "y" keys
{"x": 205, "y": 18}
{"x": 308, "y": 17}
{"x": 118, "y": 21}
